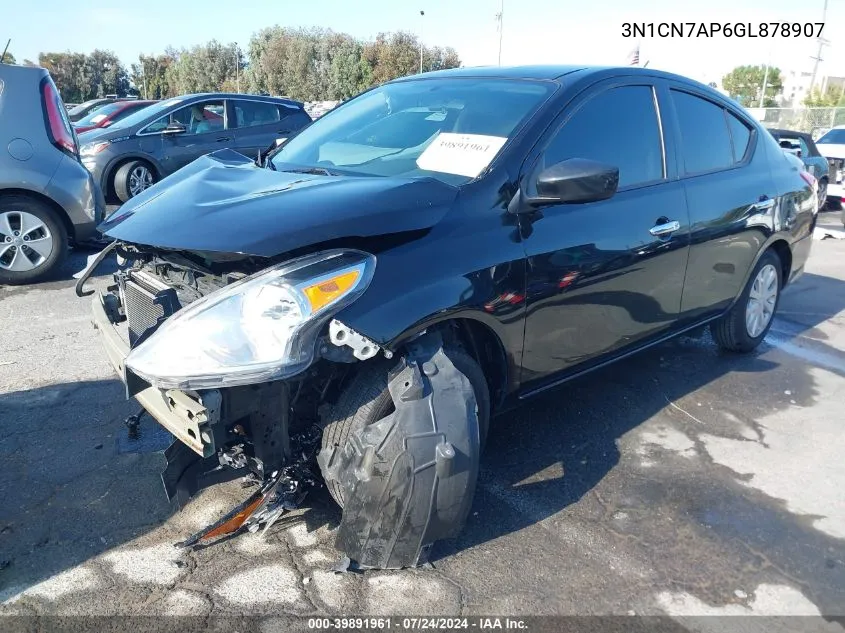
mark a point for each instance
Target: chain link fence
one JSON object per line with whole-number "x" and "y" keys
{"x": 816, "y": 121}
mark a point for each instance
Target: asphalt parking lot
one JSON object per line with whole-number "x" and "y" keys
{"x": 681, "y": 481}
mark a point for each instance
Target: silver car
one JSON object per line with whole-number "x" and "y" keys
{"x": 48, "y": 200}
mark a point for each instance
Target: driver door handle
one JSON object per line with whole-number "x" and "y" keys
{"x": 665, "y": 229}
{"x": 224, "y": 138}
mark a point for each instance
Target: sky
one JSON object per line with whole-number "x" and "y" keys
{"x": 535, "y": 31}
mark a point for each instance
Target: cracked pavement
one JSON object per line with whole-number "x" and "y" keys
{"x": 680, "y": 481}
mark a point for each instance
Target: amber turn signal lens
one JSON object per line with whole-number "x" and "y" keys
{"x": 322, "y": 294}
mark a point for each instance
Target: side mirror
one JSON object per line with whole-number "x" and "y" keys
{"x": 574, "y": 180}
{"x": 174, "y": 128}
{"x": 798, "y": 153}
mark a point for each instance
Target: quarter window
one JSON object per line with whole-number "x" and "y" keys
{"x": 741, "y": 136}
{"x": 705, "y": 138}
{"x": 618, "y": 127}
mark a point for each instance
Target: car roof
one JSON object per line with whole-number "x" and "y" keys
{"x": 235, "y": 95}
{"x": 510, "y": 72}
{"x": 556, "y": 72}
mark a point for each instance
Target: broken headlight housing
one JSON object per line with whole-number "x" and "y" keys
{"x": 261, "y": 328}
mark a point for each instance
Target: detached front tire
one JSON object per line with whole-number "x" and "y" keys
{"x": 405, "y": 475}
{"x": 366, "y": 400}
{"x": 746, "y": 324}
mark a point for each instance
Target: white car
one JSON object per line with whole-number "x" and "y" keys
{"x": 832, "y": 146}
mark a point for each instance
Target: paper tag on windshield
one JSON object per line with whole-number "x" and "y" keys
{"x": 461, "y": 154}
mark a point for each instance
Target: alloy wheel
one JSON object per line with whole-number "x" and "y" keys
{"x": 822, "y": 193}
{"x": 25, "y": 241}
{"x": 140, "y": 178}
{"x": 761, "y": 301}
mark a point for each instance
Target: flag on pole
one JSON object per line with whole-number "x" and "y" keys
{"x": 634, "y": 56}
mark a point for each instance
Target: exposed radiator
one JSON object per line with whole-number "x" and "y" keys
{"x": 148, "y": 302}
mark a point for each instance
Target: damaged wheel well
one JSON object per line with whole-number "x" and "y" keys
{"x": 485, "y": 347}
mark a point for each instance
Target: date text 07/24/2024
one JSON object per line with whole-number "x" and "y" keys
{"x": 721, "y": 29}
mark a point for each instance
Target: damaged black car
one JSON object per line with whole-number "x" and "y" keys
{"x": 353, "y": 309}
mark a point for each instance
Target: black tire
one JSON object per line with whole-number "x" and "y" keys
{"x": 730, "y": 331}
{"x": 53, "y": 223}
{"x": 366, "y": 400}
{"x": 121, "y": 178}
{"x": 822, "y": 194}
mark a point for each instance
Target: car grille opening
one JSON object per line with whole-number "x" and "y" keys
{"x": 147, "y": 302}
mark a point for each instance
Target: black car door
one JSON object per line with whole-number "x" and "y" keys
{"x": 730, "y": 193}
{"x": 603, "y": 276}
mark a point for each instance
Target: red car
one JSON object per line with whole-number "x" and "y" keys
{"x": 105, "y": 115}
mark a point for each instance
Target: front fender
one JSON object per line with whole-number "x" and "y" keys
{"x": 394, "y": 310}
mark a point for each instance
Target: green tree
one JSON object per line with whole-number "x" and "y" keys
{"x": 149, "y": 76}
{"x": 8, "y": 58}
{"x": 80, "y": 77}
{"x": 312, "y": 64}
{"x": 833, "y": 97}
{"x": 204, "y": 68}
{"x": 745, "y": 84}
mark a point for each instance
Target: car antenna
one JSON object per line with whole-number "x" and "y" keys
{"x": 3, "y": 56}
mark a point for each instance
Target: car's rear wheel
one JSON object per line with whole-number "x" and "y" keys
{"x": 132, "y": 178}
{"x": 746, "y": 324}
{"x": 366, "y": 400}
{"x": 33, "y": 240}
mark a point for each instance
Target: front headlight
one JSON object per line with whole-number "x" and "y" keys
{"x": 261, "y": 328}
{"x": 92, "y": 149}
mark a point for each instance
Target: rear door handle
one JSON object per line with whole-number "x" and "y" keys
{"x": 224, "y": 138}
{"x": 665, "y": 229}
{"x": 764, "y": 205}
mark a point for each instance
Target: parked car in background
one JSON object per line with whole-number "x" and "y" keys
{"x": 84, "y": 109}
{"x": 146, "y": 146}
{"x": 801, "y": 144}
{"x": 831, "y": 145}
{"x": 109, "y": 114}
{"x": 427, "y": 254}
{"x": 47, "y": 198}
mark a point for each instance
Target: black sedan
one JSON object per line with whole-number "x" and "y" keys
{"x": 425, "y": 256}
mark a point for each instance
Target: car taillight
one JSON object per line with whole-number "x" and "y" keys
{"x": 58, "y": 128}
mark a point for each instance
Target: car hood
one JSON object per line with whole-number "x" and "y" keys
{"x": 831, "y": 150}
{"x": 223, "y": 202}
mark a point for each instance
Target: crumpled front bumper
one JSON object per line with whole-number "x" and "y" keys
{"x": 186, "y": 416}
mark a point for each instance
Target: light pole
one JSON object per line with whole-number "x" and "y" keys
{"x": 237, "y": 63}
{"x": 422, "y": 14}
{"x": 822, "y": 43}
{"x": 499, "y": 17}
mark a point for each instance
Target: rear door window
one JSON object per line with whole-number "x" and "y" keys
{"x": 705, "y": 137}
{"x": 618, "y": 127}
{"x": 255, "y": 113}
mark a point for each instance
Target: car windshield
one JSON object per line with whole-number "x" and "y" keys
{"x": 92, "y": 118}
{"x": 450, "y": 129}
{"x": 144, "y": 114}
{"x": 833, "y": 136}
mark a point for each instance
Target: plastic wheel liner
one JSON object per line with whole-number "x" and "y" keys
{"x": 409, "y": 478}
